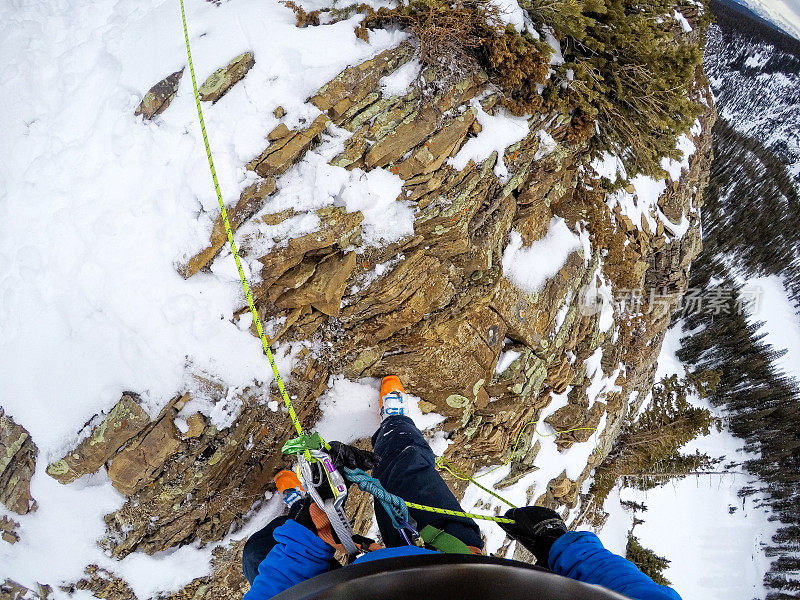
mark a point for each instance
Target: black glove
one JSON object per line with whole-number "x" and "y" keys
{"x": 300, "y": 512}
{"x": 536, "y": 528}
{"x": 344, "y": 455}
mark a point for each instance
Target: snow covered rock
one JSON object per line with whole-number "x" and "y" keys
{"x": 158, "y": 97}
{"x": 250, "y": 201}
{"x": 286, "y": 149}
{"x": 335, "y": 231}
{"x": 224, "y": 78}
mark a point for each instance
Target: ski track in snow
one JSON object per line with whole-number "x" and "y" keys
{"x": 98, "y": 207}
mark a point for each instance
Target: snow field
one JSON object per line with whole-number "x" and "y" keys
{"x": 713, "y": 538}
{"x": 783, "y": 13}
{"x": 780, "y": 321}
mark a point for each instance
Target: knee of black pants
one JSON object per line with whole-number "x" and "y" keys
{"x": 398, "y": 441}
{"x": 258, "y": 546}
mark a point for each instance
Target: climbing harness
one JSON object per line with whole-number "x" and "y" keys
{"x": 320, "y": 478}
{"x": 326, "y": 477}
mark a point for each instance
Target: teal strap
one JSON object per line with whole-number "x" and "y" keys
{"x": 394, "y": 506}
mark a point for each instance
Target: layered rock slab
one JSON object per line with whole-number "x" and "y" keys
{"x": 17, "y": 465}
{"x": 223, "y": 79}
{"x": 126, "y": 419}
{"x": 158, "y": 98}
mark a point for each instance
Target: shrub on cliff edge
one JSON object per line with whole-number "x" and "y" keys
{"x": 630, "y": 68}
{"x": 460, "y": 37}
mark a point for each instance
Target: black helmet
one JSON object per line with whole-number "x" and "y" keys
{"x": 444, "y": 577}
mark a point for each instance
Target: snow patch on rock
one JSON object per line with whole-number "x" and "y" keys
{"x": 641, "y": 203}
{"x": 530, "y": 267}
{"x": 399, "y": 81}
{"x": 498, "y": 132}
{"x": 511, "y": 13}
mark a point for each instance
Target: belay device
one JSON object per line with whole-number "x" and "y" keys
{"x": 327, "y": 487}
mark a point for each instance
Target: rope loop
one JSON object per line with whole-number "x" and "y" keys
{"x": 394, "y": 506}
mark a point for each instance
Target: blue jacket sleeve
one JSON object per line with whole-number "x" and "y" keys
{"x": 297, "y": 555}
{"x": 580, "y": 555}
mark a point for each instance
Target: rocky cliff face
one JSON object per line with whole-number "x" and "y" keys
{"x": 434, "y": 308}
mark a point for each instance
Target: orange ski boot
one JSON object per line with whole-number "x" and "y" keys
{"x": 393, "y": 399}
{"x": 289, "y": 485}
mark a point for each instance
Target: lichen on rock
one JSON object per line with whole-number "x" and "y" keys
{"x": 123, "y": 422}
{"x": 224, "y": 78}
{"x": 17, "y": 465}
{"x": 159, "y": 97}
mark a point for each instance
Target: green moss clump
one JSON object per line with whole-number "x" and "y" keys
{"x": 457, "y": 38}
{"x": 629, "y": 71}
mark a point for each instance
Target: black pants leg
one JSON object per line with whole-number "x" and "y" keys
{"x": 261, "y": 542}
{"x": 258, "y": 546}
{"x": 408, "y": 469}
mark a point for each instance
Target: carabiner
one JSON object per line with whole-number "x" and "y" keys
{"x": 409, "y": 533}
